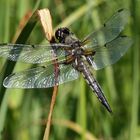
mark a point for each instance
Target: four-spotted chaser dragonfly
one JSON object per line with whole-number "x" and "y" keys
{"x": 73, "y": 56}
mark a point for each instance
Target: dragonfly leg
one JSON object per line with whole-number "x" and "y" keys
{"x": 88, "y": 53}
{"x": 68, "y": 60}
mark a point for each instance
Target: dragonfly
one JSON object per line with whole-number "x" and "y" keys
{"x": 73, "y": 57}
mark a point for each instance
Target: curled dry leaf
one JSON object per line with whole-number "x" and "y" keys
{"x": 46, "y": 21}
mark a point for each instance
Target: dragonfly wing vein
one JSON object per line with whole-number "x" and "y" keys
{"x": 32, "y": 53}
{"x": 109, "y": 31}
{"x": 40, "y": 77}
{"x": 111, "y": 52}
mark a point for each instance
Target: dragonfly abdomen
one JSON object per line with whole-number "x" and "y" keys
{"x": 87, "y": 74}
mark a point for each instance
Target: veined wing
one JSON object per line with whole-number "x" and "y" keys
{"x": 109, "y": 31}
{"x": 41, "y": 77}
{"x": 32, "y": 53}
{"x": 111, "y": 52}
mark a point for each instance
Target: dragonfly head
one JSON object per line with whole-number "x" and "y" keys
{"x": 61, "y": 34}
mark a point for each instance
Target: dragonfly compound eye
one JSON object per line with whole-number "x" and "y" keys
{"x": 61, "y": 34}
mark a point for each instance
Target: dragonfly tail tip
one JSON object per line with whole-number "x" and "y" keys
{"x": 107, "y": 106}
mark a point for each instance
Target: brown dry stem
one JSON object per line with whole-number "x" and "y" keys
{"x": 46, "y": 22}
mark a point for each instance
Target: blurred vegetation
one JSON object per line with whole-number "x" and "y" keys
{"x": 78, "y": 115}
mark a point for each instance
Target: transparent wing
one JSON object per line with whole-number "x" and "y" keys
{"x": 31, "y": 53}
{"x": 111, "y": 52}
{"x": 109, "y": 31}
{"x": 41, "y": 77}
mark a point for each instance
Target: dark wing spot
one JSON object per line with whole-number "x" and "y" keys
{"x": 3, "y": 44}
{"x": 105, "y": 45}
{"x": 123, "y": 36}
{"x": 120, "y": 10}
{"x": 93, "y": 53}
{"x": 43, "y": 67}
{"x": 33, "y": 46}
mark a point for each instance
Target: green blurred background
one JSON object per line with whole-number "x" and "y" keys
{"x": 78, "y": 115}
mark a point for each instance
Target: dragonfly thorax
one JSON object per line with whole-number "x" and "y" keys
{"x": 77, "y": 52}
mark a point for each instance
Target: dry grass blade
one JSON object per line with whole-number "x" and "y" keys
{"x": 75, "y": 127}
{"x": 46, "y": 22}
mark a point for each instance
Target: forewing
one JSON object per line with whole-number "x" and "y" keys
{"x": 41, "y": 77}
{"x": 111, "y": 52}
{"x": 109, "y": 31}
{"x": 32, "y": 53}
